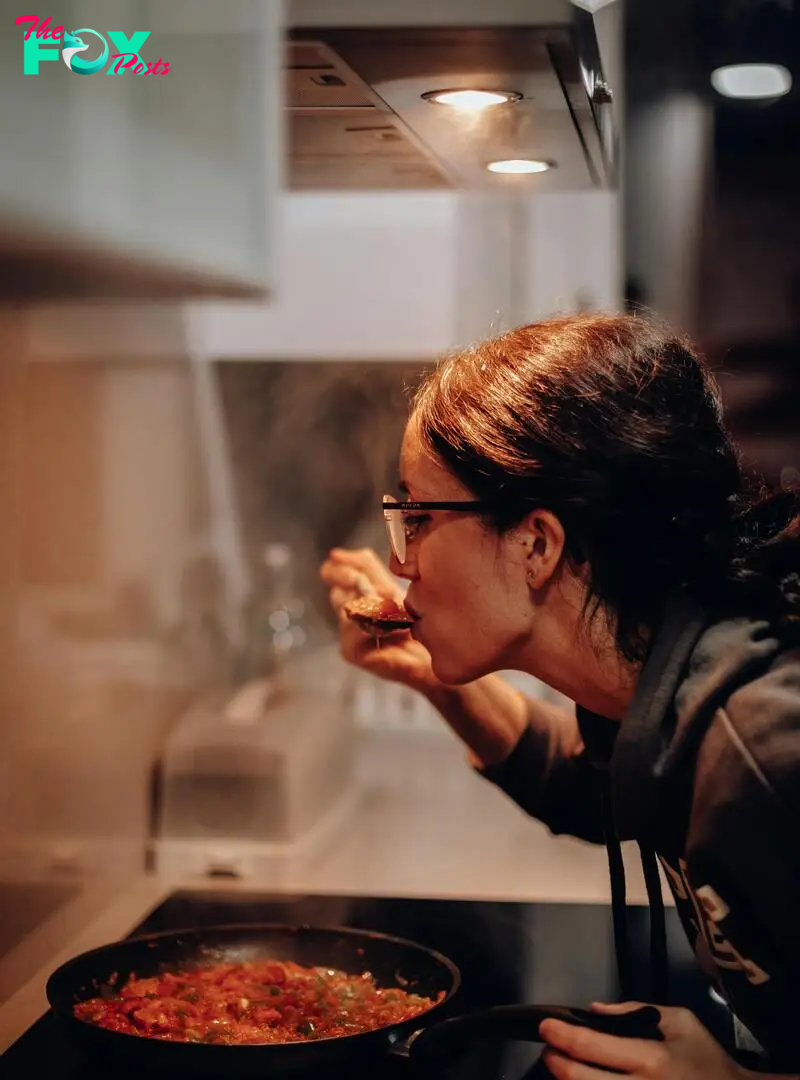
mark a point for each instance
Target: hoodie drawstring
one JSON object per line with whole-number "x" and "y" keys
{"x": 619, "y": 913}
{"x": 659, "y": 961}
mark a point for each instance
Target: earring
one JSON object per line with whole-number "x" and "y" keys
{"x": 531, "y": 578}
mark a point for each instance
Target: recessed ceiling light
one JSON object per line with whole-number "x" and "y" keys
{"x": 519, "y": 165}
{"x": 471, "y": 100}
{"x": 751, "y": 80}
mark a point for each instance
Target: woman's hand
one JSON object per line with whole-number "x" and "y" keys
{"x": 348, "y": 574}
{"x": 688, "y": 1051}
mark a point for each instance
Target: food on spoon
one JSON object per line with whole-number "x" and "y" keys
{"x": 378, "y": 616}
{"x": 256, "y": 1002}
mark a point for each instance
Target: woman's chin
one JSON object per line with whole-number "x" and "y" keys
{"x": 451, "y": 672}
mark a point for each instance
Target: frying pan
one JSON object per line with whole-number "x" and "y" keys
{"x": 393, "y": 962}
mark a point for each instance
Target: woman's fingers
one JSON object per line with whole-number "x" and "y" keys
{"x": 350, "y": 574}
{"x": 564, "y": 1068}
{"x": 598, "y": 1048}
{"x": 361, "y": 572}
{"x": 340, "y": 575}
{"x": 368, "y": 562}
{"x": 345, "y": 583}
{"x": 339, "y": 596}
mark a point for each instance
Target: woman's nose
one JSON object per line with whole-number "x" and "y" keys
{"x": 401, "y": 569}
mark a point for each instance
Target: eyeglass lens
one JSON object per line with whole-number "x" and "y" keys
{"x": 395, "y": 529}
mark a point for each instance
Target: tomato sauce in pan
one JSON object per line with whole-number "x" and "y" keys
{"x": 262, "y": 1001}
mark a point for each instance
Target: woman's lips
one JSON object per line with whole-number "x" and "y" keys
{"x": 412, "y": 611}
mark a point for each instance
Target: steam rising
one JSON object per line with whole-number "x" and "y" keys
{"x": 314, "y": 447}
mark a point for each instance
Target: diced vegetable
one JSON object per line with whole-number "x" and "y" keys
{"x": 255, "y": 1002}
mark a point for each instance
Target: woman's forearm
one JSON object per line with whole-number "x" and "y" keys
{"x": 489, "y": 716}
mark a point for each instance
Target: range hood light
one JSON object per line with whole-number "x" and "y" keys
{"x": 751, "y": 81}
{"x": 519, "y": 165}
{"x": 471, "y": 100}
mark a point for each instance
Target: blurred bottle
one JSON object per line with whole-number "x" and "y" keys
{"x": 198, "y": 637}
{"x": 277, "y": 633}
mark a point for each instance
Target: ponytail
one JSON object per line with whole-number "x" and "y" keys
{"x": 767, "y": 562}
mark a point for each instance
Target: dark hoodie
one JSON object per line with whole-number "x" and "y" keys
{"x": 704, "y": 770}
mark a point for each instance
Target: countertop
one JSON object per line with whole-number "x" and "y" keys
{"x": 425, "y": 825}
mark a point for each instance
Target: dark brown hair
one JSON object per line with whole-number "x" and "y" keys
{"x": 614, "y": 423}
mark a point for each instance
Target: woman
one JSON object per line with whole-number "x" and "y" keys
{"x": 598, "y": 536}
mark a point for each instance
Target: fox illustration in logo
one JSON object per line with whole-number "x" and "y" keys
{"x": 74, "y": 44}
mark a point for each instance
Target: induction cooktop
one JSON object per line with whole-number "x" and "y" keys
{"x": 507, "y": 952}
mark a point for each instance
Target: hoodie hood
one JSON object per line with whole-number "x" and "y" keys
{"x": 692, "y": 668}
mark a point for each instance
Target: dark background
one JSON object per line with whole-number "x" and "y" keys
{"x": 744, "y": 253}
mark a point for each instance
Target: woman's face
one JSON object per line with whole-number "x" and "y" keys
{"x": 468, "y": 585}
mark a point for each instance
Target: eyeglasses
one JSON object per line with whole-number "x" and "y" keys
{"x": 397, "y": 527}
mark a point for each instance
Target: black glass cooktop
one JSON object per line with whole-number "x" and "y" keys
{"x": 507, "y": 952}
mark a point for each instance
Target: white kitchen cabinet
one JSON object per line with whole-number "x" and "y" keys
{"x": 159, "y": 184}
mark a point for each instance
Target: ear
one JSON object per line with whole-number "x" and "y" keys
{"x": 543, "y": 535}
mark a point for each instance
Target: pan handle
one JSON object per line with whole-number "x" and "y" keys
{"x": 521, "y": 1022}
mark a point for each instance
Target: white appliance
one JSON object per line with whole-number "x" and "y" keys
{"x": 260, "y": 783}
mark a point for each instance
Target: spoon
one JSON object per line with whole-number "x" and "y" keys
{"x": 376, "y": 615}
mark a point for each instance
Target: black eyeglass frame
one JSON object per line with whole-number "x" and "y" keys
{"x": 462, "y": 504}
{"x": 399, "y": 543}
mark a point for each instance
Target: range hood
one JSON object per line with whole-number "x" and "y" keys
{"x": 135, "y": 189}
{"x": 357, "y": 118}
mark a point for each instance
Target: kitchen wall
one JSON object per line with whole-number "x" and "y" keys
{"x": 670, "y": 155}
{"x": 408, "y": 276}
{"x": 748, "y": 230}
{"x": 104, "y": 516}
